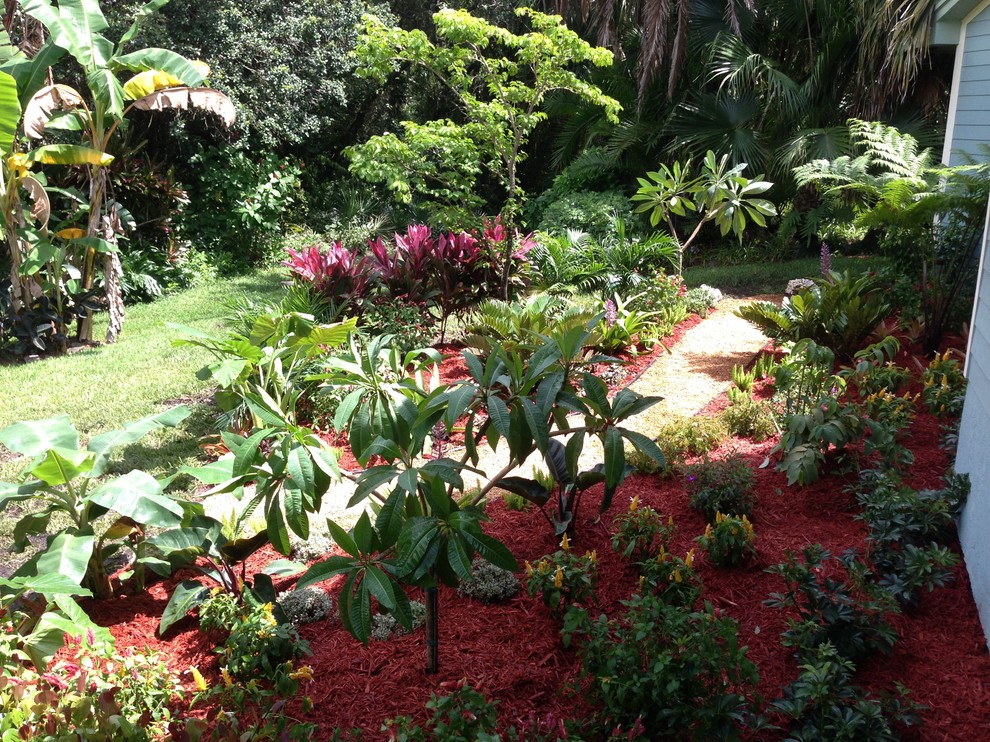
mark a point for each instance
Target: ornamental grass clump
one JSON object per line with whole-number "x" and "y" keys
{"x": 729, "y": 541}
{"x": 638, "y": 529}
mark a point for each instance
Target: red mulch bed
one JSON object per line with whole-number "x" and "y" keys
{"x": 513, "y": 653}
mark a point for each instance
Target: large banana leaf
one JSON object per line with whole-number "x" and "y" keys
{"x": 10, "y": 113}
{"x": 34, "y": 437}
{"x": 102, "y": 445}
{"x": 138, "y": 495}
{"x": 107, "y": 91}
{"x": 48, "y": 99}
{"x": 32, "y": 74}
{"x": 68, "y": 555}
{"x": 162, "y": 60}
{"x": 183, "y": 99}
{"x": 148, "y": 82}
{"x": 75, "y": 25}
{"x": 69, "y": 154}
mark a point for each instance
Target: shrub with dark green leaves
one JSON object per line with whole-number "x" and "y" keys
{"x": 944, "y": 386}
{"x": 589, "y": 211}
{"x": 260, "y": 646}
{"x": 720, "y": 486}
{"x": 729, "y": 540}
{"x": 834, "y": 600}
{"x": 823, "y": 704}
{"x": 908, "y": 533}
{"x": 563, "y": 578}
{"x": 675, "y": 673}
{"x": 672, "y": 578}
{"x": 839, "y": 312}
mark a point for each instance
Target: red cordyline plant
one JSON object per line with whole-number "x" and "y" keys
{"x": 406, "y": 270}
{"x": 339, "y": 273}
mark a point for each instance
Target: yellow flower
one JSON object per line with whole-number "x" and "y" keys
{"x": 708, "y": 530}
{"x": 225, "y": 676}
{"x": 689, "y": 559}
{"x": 677, "y": 575}
{"x": 558, "y": 579}
{"x": 565, "y": 544}
{"x": 303, "y": 673}
{"x": 198, "y": 678}
{"x": 634, "y": 503}
{"x": 662, "y": 555}
{"x": 529, "y": 569}
{"x": 670, "y": 520}
{"x": 19, "y": 164}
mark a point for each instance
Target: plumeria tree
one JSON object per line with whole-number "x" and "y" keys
{"x": 500, "y": 81}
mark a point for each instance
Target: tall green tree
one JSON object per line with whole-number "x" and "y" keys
{"x": 500, "y": 80}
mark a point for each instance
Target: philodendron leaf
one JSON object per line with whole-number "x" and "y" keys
{"x": 187, "y": 595}
{"x": 138, "y": 495}
{"x": 34, "y": 437}
{"x": 528, "y": 489}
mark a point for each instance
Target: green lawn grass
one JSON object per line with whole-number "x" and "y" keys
{"x": 104, "y": 387}
{"x": 771, "y": 278}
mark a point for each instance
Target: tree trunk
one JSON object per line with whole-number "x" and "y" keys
{"x": 103, "y": 227}
{"x": 432, "y": 631}
{"x": 113, "y": 271}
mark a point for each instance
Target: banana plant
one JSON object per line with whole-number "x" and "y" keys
{"x": 43, "y": 288}
{"x": 70, "y": 482}
{"x": 163, "y": 80}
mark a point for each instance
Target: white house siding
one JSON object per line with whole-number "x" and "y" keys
{"x": 969, "y": 127}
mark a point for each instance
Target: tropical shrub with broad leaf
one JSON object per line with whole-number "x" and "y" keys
{"x": 423, "y": 532}
{"x": 162, "y": 80}
{"x": 262, "y": 364}
{"x": 69, "y": 482}
{"x": 201, "y": 545}
{"x": 840, "y": 312}
{"x": 674, "y": 672}
{"x": 719, "y": 194}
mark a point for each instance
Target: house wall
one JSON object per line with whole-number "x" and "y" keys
{"x": 968, "y": 127}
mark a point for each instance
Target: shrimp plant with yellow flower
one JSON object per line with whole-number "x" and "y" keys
{"x": 163, "y": 80}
